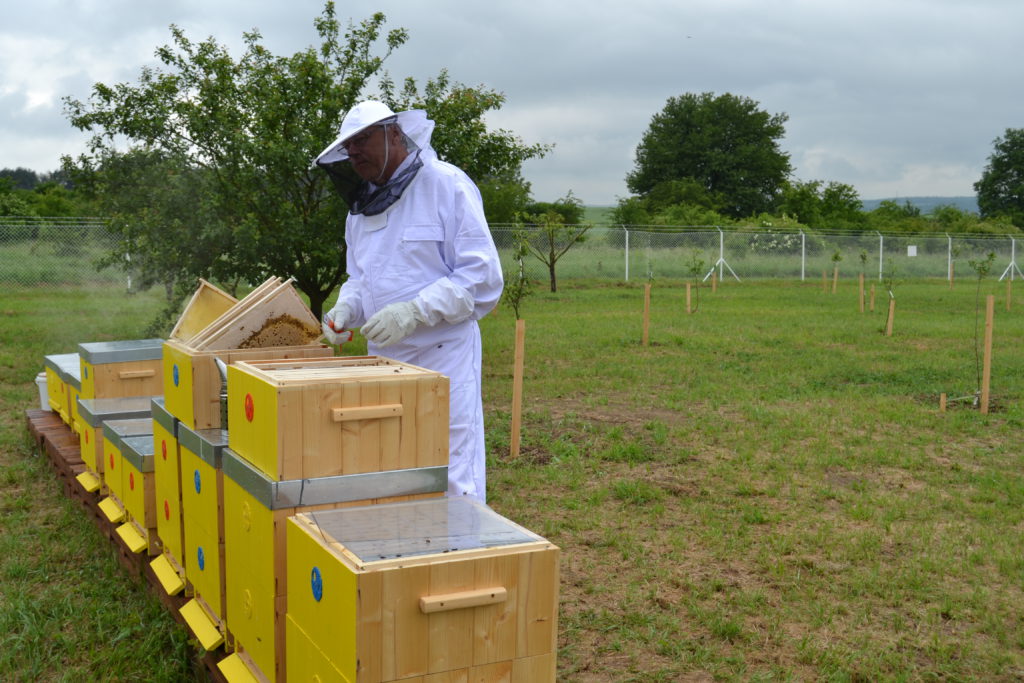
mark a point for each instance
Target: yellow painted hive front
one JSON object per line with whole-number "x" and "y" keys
{"x": 337, "y": 416}
{"x": 202, "y": 511}
{"x": 404, "y": 590}
{"x": 167, "y": 476}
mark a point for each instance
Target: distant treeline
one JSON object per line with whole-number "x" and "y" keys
{"x": 927, "y": 205}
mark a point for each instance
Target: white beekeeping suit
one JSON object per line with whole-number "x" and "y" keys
{"x": 422, "y": 269}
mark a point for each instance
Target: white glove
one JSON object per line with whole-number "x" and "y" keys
{"x": 336, "y": 322}
{"x": 392, "y": 324}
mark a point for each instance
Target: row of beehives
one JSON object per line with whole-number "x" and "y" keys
{"x": 313, "y": 536}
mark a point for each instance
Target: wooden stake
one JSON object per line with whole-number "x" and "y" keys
{"x": 892, "y": 316}
{"x": 688, "y": 308}
{"x": 835, "y": 279}
{"x": 986, "y": 367}
{"x": 872, "y": 298}
{"x": 860, "y": 294}
{"x": 714, "y": 281}
{"x": 942, "y": 403}
{"x": 647, "y": 311}
{"x": 517, "y": 387}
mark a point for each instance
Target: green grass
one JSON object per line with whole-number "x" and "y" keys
{"x": 766, "y": 491}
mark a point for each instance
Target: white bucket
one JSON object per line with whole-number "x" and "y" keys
{"x": 44, "y": 397}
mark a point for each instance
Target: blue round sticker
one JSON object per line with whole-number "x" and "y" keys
{"x": 317, "y": 584}
{"x": 198, "y": 481}
{"x": 174, "y": 374}
{"x": 202, "y": 558}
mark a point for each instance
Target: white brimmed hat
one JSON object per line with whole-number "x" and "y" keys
{"x": 414, "y": 123}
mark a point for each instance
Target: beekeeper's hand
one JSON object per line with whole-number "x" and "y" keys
{"x": 393, "y": 323}
{"x": 336, "y": 323}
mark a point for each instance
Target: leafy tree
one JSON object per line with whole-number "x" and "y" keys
{"x": 492, "y": 158}
{"x": 725, "y": 144}
{"x": 12, "y": 202}
{"x": 252, "y": 126}
{"x": 819, "y": 205}
{"x": 1001, "y": 187}
{"x": 21, "y": 178}
{"x": 549, "y": 237}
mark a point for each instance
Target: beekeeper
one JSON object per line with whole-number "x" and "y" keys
{"x": 422, "y": 267}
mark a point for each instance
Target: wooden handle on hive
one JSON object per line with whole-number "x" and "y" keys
{"x": 366, "y": 412}
{"x": 135, "y": 374}
{"x": 452, "y": 601}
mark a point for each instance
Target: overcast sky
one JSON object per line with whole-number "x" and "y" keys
{"x": 894, "y": 97}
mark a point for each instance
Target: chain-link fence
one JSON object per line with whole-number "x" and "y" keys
{"x": 65, "y": 251}
{"x": 635, "y": 253}
{"x": 56, "y": 252}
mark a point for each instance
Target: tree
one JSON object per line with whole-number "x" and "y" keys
{"x": 1001, "y": 187}
{"x": 548, "y": 237}
{"x": 724, "y": 143}
{"x": 492, "y": 158}
{"x": 819, "y": 205}
{"x": 251, "y": 126}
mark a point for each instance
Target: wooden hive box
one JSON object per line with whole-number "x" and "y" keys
{"x": 192, "y": 382}
{"x": 94, "y": 413}
{"x": 121, "y": 369}
{"x": 256, "y": 511}
{"x": 202, "y": 513}
{"x": 337, "y": 416}
{"x": 408, "y": 591}
{"x": 63, "y": 384}
{"x": 167, "y": 474}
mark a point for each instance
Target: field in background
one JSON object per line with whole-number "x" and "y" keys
{"x": 767, "y": 490}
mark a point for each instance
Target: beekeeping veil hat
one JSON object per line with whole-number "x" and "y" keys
{"x": 414, "y": 123}
{"x": 415, "y": 126}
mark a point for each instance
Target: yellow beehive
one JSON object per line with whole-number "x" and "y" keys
{"x": 334, "y": 416}
{"x": 63, "y": 383}
{"x": 138, "y": 491}
{"x": 121, "y": 369}
{"x": 202, "y": 514}
{"x": 256, "y": 509}
{"x": 93, "y": 413}
{"x": 167, "y": 476}
{"x": 192, "y": 383}
{"x": 408, "y": 591}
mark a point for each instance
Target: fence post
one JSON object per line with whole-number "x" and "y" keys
{"x": 881, "y": 255}
{"x": 949, "y": 259}
{"x": 626, "y": 231}
{"x": 803, "y": 256}
{"x": 721, "y": 253}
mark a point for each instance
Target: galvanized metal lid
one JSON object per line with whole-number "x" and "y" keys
{"x": 138, "y": 450}
{"x": 100, "y": 353}
{"x": 344, "y": 488}
{"x": 163, "y": 417}
{"x": 96, "y": 411}
{"x": 67, "y": 366}
{"x": 207, "y": 444}
{"x": 118, "y": 430}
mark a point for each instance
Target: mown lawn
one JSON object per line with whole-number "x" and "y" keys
{"x": 767, "y": 490}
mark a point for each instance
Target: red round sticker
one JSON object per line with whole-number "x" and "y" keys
{"x": 163, "y": 448}
{"x": 249, "y": 407}
{"x": 167, "y": 510}
{"x": 131, "y": 481}
{"x": 111, "y": 461}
